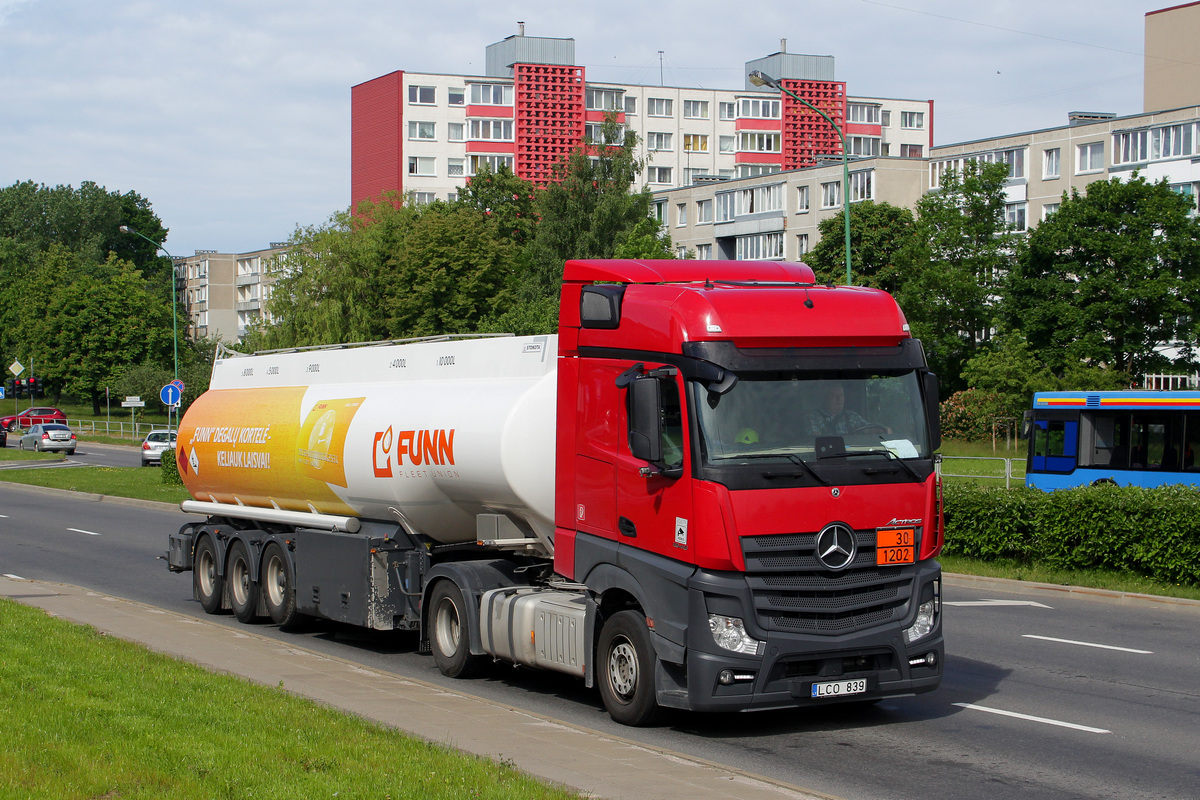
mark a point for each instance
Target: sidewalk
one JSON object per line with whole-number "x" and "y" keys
{"x": 599, "y": 765}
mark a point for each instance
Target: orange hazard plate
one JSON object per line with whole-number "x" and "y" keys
{"x": 895, "y": 546}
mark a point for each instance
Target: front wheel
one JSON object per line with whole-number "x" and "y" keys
{"x": 449, "y": 636}
{"x": 626, "y": 661}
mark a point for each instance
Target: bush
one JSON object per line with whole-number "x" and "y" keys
{"x": 1149, "y": 532}
{"x": 170, "y": 470}
{"x": 970, "y": 414}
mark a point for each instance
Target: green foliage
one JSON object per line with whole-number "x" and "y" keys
{"x": 973, "y": 415}
{"x": 883, "y": 246}
{"x": 504, "y": 199}
{"x": 1149, "y": 532}
{"x": 170, "y": 469}
{"x": 1110, "y": 280}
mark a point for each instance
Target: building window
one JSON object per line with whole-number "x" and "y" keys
{"x": 1090, "y": 158}
{"x": 1014, "y": 215}
{"x": 658, "y": 141}
{"x": 492, "y": 162}
{"x": 456, "y": 131}
{"x": 760, "y": 246}
{"x": 695, "y": 143}
{"x": 801, "y": 244}
{"x": 911, "y": 151}
{"x": 1051, "y": 163}
{"x": 659, "y": 107}
{"x": 604, "y": 99}
{"x": 658, "y": 212}
{"x": 754, "y": 170}
{"x": 1173, "y": 141}
{"x": 704, "y": 211}
{"x": 754, "y": 108}
{"x": 913, "y": 120}
{"x": 758, "y": 142}
{"x": 1131, "y": 146}
{"x": 727, "y": 144}
{"x": 422, "y": 198}
{"x": 421, "y": 130}
{"x": 421, "y": 165}
{"x": 862, "y": 185}
{"x": 727, "y": 111}
{"x": 725, "y": 206}
{"x": 863, "y": 145}
{"x": 690, "y": 174}
{"x": 659, "y": 174}
{"x": 1188, "y": 190}
{"x": 885, "y": 118}
{"x": 831, "y": 195}
{"x": 456, "y": 167}
{"x": 491, "y": 94}
{"x": 457, "y": 97}
{"x": 422, "y": 95}
{"x": 496, "y": 130}
{"x": 630, "y": 104}
{"x": 801, "y": 199}
{"x": 680, "y": 215}
{"x": 1049, "y": 209}
{"x": 595, "y": 132}
{"x": 704, "y": 252}
{"x": 863, "y": 113}
{"x": 695, "y": 109}
{"x": 1015, "y": 158}
{"x": 681, "y": 251}
{"x": 760, "y": 199}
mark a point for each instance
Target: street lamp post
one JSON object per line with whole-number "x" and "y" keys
{"x": 759, "y": 78}
{"x": 174, "y": 305}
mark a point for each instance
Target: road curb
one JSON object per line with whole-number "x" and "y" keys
{"x": 153, "y": 505}
{"x": 1127, "y": 598}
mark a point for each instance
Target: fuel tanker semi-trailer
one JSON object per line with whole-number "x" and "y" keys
{"x": 713, "y": 489}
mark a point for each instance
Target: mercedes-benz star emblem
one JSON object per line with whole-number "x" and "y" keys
{"x": 836, "y": 546}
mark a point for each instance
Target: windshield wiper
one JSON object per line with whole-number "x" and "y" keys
{"x": 792, "y": 457}
{"x": 882, "y": 452}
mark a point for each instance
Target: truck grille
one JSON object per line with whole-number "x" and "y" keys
{"x": 795, "y": 593}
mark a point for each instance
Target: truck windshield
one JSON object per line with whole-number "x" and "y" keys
{"x": 807, "y": 416}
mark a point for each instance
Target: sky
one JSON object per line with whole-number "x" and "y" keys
{"x": 232, "y": 117}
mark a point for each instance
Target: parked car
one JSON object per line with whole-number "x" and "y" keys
{"x": 155, "y": 443}
{"x": 32, "y": 416}
{"x": 48, "y": 436}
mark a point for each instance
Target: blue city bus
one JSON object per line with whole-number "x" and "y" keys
{"x": 1131, "y": 438}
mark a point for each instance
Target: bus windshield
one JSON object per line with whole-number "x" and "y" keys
{"x": 785, "y": 416}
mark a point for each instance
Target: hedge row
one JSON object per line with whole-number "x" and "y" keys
{"x": 1150, "y": 532}
{"x": 170, "y": 470}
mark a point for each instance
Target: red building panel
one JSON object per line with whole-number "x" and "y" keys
{"x": 807, "y": 137}
{"x": 549, "y": 119}
{"x": 752, "y": 124}
{"x": 376, "y": 143}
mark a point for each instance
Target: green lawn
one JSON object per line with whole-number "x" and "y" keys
{"x": 142, "y": 484}
{"x": 89, "y": 716}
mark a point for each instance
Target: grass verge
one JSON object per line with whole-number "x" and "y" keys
{"x": 88, "y": 716}
{"x": 141, "y": 484}
{"x": 1095, "y": 579}
{"x": 13, "y": 454}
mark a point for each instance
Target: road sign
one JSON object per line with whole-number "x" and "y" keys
{"x": 2, "y": 395}
{"x": 133, "y": 401}
{"x": 170, "y": 394}
{"x": 16, "y": 368}
{"x": 179, "y": 384}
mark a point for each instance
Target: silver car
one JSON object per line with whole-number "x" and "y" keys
{"x": 155, "y": 444}
{"x": 48, "y": 436}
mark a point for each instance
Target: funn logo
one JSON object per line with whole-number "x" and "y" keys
{"x": 425, "y": 447}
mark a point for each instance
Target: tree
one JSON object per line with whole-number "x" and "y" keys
{"x": 504, "y": 199}
{"x": 882, "y": 245}
{"x": 1111, "y": 280}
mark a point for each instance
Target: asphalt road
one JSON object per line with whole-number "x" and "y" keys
{"x": 1046, "y": 694}
{"x": 87, "y": 454}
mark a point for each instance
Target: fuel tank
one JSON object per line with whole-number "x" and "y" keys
{"x": 428, "y": 433}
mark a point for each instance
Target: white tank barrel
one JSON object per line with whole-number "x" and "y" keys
{"x": 432, "y": 433}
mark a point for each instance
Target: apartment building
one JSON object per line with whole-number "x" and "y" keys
{"x": 222, "y": 293}
{"x": 424, "y": 135}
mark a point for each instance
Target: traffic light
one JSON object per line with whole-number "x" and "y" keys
{"x": 34, "y": 386}
{"x": 10, "y": 387}
{"x": 20, "y": 389}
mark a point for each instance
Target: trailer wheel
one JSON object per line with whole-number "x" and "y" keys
{"x": 626, "y": 661}
{"x": 279, "y": 595}
{"x": 243, "y": 591}
{"x": 210, "y": 585}
{"x": 449, "y": 635}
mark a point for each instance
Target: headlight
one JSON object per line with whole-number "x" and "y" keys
{"x": 730, "y": 633}
{"x": 926, "y": 619}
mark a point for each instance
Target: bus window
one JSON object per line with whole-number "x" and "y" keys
{"x": 1191, "y": 440}
{"x": 1157, "y": 441}
{"x": 1054, "y": 443}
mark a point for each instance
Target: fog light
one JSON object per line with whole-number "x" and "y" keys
{"x": 927, "y": 660}
{"x": 730, "y": 634}
{"x": 726, "y": 677}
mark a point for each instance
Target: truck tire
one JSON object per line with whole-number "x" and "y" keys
{"x": 209, "y": 584}
{"x": 279, "y": 595}
{"x": 243, "y": 591}
{"x": 449, "y": 636}
{"x": 626, "y": 661}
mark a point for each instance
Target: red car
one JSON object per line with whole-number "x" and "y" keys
{"x": 32, "y": 416}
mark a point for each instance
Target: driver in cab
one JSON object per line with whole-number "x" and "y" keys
{"x": 832, "y": 418}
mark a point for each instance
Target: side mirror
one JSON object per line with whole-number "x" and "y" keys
{"x": 933, "y": 410}
{"x": 645, "y": 419}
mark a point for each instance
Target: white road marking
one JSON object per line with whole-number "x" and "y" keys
{"x": 14, "y": 577}
{"x": 1014, "y": 714}
{"x": 996, "y": 603}
{"x": 1087, "y": 644}
{"x": 81, "y": 530}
